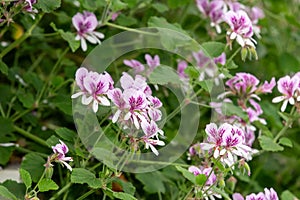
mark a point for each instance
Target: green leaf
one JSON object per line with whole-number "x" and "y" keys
{"x": 52, "y": 141}
{"x": 66, "y": 134}
{"x": 81, "y": 176}
{"x": 163, "y": 75}
{"x": 201, "y": 179}
{"x": 118, "y": 5}
{"x": 26, "y": 99}
{"x": 67, "y": 36}
{"x": 207, "y": 85}
{"x": 6, "y": 126}
{"x": 47, "y": 184}
{"x": 161, "y": 8}
{"x": 18, "y": 189}
{"x": 161, "y": 22}
{"x": 63, "y": 103}
{"x": 48, "y": 6}
{"x": 124, "y": 20}
{"x": 192, "y": 72}
{"x": 213, "y": 49}
{"x": 153, "y": 182}
{"x": 287, "y": 195}
{"x": 178, "y": 3}
{"x": 6, "y": 194}
{"x": 34, "y": 164}
{"x": 131, "y": 3}
{"x": 124, "y": 196}
{"x": 231, "y": 65}
{"x": 286, "y": 142}
{"x": 5, "y": 153}
{"x": 3, "y": 68}
{"x": 187, "y": 174}
{"x": 230, "y": 109}
{"x": 268, "y": 144}
{"x": 26, "y": 178}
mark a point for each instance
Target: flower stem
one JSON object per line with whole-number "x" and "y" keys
{"x": 22, "y": 38}
{"x": 289, "y": 122}
{"x": 128, "y": 29}
{"x": 30, "y": 136}
{"x": 86, "y": 195}
{"x": 61, "y": 191}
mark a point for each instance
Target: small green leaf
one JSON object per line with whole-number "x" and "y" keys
{"x": 81, "y": 176}
{"x": 48, "y": 6}
{"x": 25, "y": 176}
{"x": 47, "y": 184}
{"x": 163, "y": 75}
{"x": 118, "y": 5}
{"x": 6, "y": 194}
{"x": 221, "y": 192}
{"x": 3, "y": 68}
{"x": 192, "y": 72}
{"x": 65, "y": 133}
{"x": 230, "y": 109}
{"x": 161, "y": 8}
{"x": 207, "y": 85}
{"x": 268, "y": 144}
{"x": 213, "y": 49}
{"x": 201, "y": 179}
{"x": 34, "y": 164}
{"x": 124, "y": 20}
{"x": 231, "y": 65}
{"x": 26, "y": 99}
{"x": 124, "y": 196}
{"x": 187, "y": 174}
{"x": 285, "y": 142}
{"x": 287, "y": 195}
{"x": 161, "y": 22}
{"x": 67, "y": 36}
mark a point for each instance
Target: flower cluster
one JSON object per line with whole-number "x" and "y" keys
{"x": 236, "y": 15}
{"x": 269, "y": 194}
{"x": 226, "y": 142}
{"x": 85, "y": 23}
{"x": 289, "y": 87}
{"x": 133, "y": 105}
{"x": 59, "y": 156}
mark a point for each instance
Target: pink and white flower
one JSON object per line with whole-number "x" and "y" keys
{"x": 214, "y": 10}
{"x": 28, "y": 7}
{"x": 94, "y": 87}
{"x": 226, "y": 142}
{"x": 151, "y": 130}
{"x": 241, "y": 28}
{"x": 85, "y": 23}
{"x": 269, "y": 194}
{"x": 60, "y": 151}
{"x": 287, "y": 86}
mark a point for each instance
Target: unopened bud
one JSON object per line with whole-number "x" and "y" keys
{"x": 222, "y": 183}
{"x": 231, "y": 183}
{"x": 244, "y": 53}
{"x": 49, "y": 172}
{"x": 253, "y": 53}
